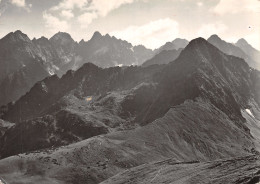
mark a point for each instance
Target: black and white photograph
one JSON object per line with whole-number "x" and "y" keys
{"x": 129, "y": 91}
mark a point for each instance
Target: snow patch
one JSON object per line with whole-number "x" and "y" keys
{"x": 51, "y": 72}
{"x": 89, "y": 98}
{"x": 120, "y": 65}
{"x": 132, "y": 49}
{"x": 250, "y": 113}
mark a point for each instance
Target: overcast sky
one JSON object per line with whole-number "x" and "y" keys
{"x": 147, "y": 22}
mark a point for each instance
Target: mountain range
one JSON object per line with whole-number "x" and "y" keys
{"x": 23, "y": 62}
{"x": 170, "y": 121}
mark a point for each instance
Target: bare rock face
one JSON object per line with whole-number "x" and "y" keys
{"x": 107, "y": 51}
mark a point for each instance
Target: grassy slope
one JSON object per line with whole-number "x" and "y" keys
{"x": 177, "y": 135}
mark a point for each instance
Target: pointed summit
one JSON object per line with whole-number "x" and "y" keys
{"x": 96, "y": 35}
{"x": 197, "y": 45}
{"x": 214, "y": 37}
{"x": 241, "y": 42}
{"x": 18, "y": 32}
{"x": 199, "y": 50}
{"x": 62, "y": 38}
{"x": 17, "y": 36}
{"x": 82, "y": 41}
{"x": 198, "y": 42}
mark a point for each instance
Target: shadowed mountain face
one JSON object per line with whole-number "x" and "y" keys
{"x": 102, "y": 100}
{"x": 4, "y": 125}
{"x": 23, "y": 62}
{"x": 164, "y": 57}
{"x": 20, "y": 66}
{"x": 232, "y": 49}
{"x": 202, "y": 70}
{"x": 187, "y": 110}
{"x": 167, "y": 53}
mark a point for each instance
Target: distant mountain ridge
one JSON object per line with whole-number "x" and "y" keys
{"x": 232, "y": 49}
{"x": 167, "y": 53}
{"x": 164, "y": 57}
{"x": 249, "y": 50}
{"x": 23, "y": 62}
{"x": 176, "y": 44}
{"x": 107, "y": 51}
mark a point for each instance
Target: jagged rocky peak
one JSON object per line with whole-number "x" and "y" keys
{"x": 17, "y": 36}
{"x": 82, "y": 41}
{"x": 62, "y": 38}
{"x": 96, "y": 35}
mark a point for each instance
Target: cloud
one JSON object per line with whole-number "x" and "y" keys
{"x": 22, "y": 4}
{"x": 19, "y": 3}
{"x": 199, "y": 3}
{"x": 99, "y": 8}
{"x": 86, "y": 18}
{"x": 207, "y": 30}
{"x": 70, "y": 5}
{"x": 54, "y": 24}
{"x": 67, "y": 14}
{"x": 88, "y": 9}
{"x": 235, "y": 6}
{"x": 103, "y": 7}
{"x": 152, "y": 35}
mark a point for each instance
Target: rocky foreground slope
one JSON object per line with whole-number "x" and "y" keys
{"x": 238, "y": 170}
{"x": 197, "y": 109}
